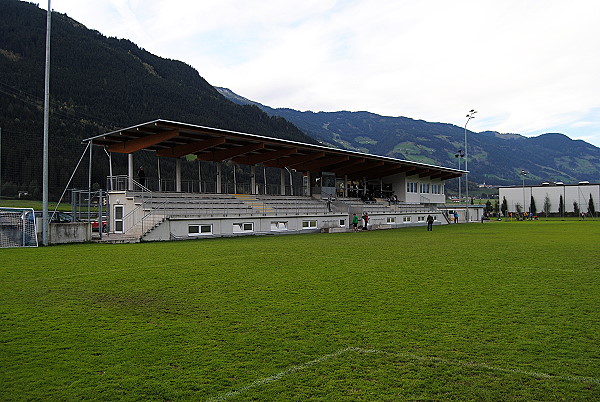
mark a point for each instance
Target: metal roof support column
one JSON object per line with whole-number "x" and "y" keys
{"x": 346, "y": 186}
{"x": 178, "y": 175}
{"x": 158, "y": 170}
{"x": 253, "y": 179}
{"x": 281, "y": 181}
{"x": 308, "y": 184}
{"x": 218, "y": 189}
{"x": 199, "y": 175}
{"x": 265, "y": 179}
{"x": 130, "y": 172}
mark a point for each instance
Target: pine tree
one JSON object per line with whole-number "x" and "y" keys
{"x": 532, "y": 207}
{"x": 504, "y": 206}
{"x": 547, "y": 205}
{"x": 591, "y": 207}
{"x": 561, "y": 206}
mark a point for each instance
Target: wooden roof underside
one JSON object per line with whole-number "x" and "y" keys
{"x": 175, "y": 140}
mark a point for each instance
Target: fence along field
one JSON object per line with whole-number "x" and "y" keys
{"x": 494, "y": 311}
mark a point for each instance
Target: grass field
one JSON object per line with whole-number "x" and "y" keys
{"x": 494, "y": 311}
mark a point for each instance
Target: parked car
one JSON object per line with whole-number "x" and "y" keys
{"x": 95, "y": 226}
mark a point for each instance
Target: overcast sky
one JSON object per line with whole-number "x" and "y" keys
{"x": 527, "y": 66}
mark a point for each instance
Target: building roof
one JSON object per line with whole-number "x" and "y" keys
{"x": 552, "y": 185}
{"x": 173, "y": 140}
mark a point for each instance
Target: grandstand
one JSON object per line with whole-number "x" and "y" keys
{"x": 335, "y": 184}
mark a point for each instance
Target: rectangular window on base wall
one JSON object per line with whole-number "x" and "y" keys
{"x": 390, "y": 220}
{"x": 406, "y": 219}
{"x": 277, "y": 226}
{"x": 309, "y": 224}
{"x": 199, "y": 230}
{"x": 243, "y": 227}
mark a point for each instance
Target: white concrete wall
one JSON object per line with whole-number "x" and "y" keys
{"x": 177, "y": 228}
{"x": 399, "y": 187}
{"x": 570, "y": 193}
{"x": 62, "y": 233}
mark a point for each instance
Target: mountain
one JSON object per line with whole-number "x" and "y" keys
{"x": 493, "y": 158}
{"x": 98, "y": 84}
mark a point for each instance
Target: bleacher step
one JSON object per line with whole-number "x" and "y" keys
{"x": 254, "y": 202}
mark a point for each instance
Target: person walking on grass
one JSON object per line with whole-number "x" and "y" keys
{"x": 355, "y": 223}
{"x": 430, "y": 223}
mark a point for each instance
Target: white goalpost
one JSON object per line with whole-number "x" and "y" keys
{"x": 17, "y": 228}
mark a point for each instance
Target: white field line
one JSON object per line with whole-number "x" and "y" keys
{"x": 411, "y": 356}
{"x": 288, "y": 371}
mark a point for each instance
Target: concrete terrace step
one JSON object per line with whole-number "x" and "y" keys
{"x": 115, "y": 238}
{"x": 254, "y": 202}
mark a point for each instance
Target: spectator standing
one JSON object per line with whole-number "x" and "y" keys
{"x": 142, "y": 176}
{"x": 355, "y": 223}
{"x": 429, "y": 223}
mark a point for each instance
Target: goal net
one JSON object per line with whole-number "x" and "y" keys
{"x": 17, "y": 228}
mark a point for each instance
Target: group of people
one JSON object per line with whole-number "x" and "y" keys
{"x": 364, "y": 218}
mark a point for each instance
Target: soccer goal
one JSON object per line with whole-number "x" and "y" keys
{"x": 17, "y": 228}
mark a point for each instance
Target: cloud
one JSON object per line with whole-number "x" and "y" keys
{"x": 528, "y": 67}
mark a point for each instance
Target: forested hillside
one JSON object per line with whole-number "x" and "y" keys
{"x": 98, "y": 84}
{"x": 494, "y": 158}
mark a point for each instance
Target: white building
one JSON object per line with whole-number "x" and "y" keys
{"x": 571, "y": 193}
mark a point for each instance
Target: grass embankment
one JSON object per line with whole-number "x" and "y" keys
{"x": 494, "y": 311}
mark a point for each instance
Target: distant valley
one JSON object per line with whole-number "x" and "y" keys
{"x": 494, "y": 158}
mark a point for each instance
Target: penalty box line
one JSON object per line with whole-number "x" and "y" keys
{"x": 294, "y": 369}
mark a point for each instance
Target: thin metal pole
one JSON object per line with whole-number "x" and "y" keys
{"x": 90, "y": 183}
{"x": 100, "y": 226}
{"x": 199, "y": 175}
{"x": 158, "y": 168}
{"x": 470, "y": 116}
{"x": 0, "y": 163}
{"x": 45, "y": 226}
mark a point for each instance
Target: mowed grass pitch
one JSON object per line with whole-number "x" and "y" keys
{"x": 494, "y": 311}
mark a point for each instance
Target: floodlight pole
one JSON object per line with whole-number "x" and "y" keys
{"x": 0, "y": 163}
{"x": 45, "y": 228}
{"x": 470, "y": 115}
{"x": 459, "y": 154}
{"x": 523, "y": 174}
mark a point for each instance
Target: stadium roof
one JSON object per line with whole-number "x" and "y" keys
{"x": 174, "y": 140}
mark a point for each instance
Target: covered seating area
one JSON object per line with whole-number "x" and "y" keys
{"x": 325, "y": 174}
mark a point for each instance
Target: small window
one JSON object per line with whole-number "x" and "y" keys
{"x": 197, "y": 230}
{"x": 278, "y": 225}
{"x": 390, "y": 219}
{"x": 342, "y": 223}
{"x": 243, "y": 227}
{"x": 421, "y": 219}
{"x": 309, "y": 224}
{"x": 406, "y": 219}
